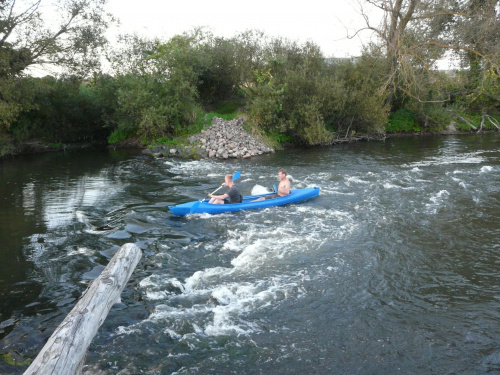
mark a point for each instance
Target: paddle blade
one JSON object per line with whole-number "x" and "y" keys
{"x": 236, "y": 175}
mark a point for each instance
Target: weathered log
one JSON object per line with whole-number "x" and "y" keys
{"x": 493, "y": 122}
{"x": 65, "y": 351}
{"x": 463, "y": 119}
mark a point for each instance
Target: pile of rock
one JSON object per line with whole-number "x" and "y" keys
{"x": 227, "y": 139}
{"x": 224, "y": 139}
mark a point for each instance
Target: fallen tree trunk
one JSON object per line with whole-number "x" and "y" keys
{"x": 493, "y": 122}
{"x": 65, "y": 351}
{"x": 463, "y": 119}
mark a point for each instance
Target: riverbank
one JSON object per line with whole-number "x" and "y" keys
{"x": 222, "y": 140}
{"x": 10, "y": 148}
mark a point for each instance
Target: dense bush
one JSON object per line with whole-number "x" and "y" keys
{"x": 402, "y": 121}
{"x": 61, "y": 110}
{"x": 168, "y": 89}
{"x": 311, "y": 99}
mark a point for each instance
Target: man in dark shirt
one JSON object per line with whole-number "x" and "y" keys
{"x": 233, "y": 195}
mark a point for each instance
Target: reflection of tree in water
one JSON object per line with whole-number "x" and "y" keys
{"x": 39, "y": 258}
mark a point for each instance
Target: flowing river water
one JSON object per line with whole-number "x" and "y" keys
{"x": 394, "y": 268}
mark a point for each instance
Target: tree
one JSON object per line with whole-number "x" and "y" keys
{"x": 414, "y": 34}
{"x": 158, "y": 81}
{"x": 71, "y": 36}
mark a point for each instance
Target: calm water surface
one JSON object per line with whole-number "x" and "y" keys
{"x": 394, "y": 268}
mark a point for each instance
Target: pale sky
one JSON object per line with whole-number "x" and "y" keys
{"x": 322, "y": 21}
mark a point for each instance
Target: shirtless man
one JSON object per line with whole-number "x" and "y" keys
{"x": 283, "y": 187}
{"x": 233, "y": 195}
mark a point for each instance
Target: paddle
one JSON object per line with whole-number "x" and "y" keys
{"x": 195, "y": 206}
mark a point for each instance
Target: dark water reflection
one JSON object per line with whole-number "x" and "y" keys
{"x": 394, "y": 268}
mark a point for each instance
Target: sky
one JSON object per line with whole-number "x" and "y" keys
{"x": 326, "y": 23}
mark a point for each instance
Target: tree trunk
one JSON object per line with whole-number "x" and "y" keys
{"x": 65, "y": 351}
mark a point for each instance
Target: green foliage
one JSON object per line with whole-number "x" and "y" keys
{"x": 485, "y": 95}
{"x": 62, "y": 110}
{"x": 280, "y": 138}
{"x": 225, "y": 110}
{"x": 158, "y": 96}
{"x": 165, "y": 141}
{"x": 13, "y": 61}
{"x": 434, "y": 118}
{"x": 120, "y": 135}
{"x": 229, "y": 107}
{"x": 291, "y": 93}
{"x": 402, "y": 121}
{"x": 74, "y": 43}
{"x": 353, "y": 96}
{"x": 299, "y": 93}
{"x": 16, "y": 96}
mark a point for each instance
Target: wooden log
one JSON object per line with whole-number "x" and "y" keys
{"x": 493, "y": 122}
{"x": 65, "y": 351}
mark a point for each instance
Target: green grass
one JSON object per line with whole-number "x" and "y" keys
{"x": 204, "y": 120}
{"x": 402, "y": 121}
{"x": 164, "y": 141}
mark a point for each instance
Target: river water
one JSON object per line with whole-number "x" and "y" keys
{"x": 394, "y": 268}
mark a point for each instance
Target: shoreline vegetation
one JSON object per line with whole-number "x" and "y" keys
{"x": 399, "y": 124}
{"x": 159, "y": 93}
{"x": 183, "y": 149}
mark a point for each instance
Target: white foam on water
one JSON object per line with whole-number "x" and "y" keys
{"x": 201, "y": 281}
{"x": 200, "y": 168}
{"x": 356, "y": 180}
{"x": 439, "y": 196}
{"x": 437, "y": 200}
{"x": 388, "y": 185}
{"x": 121, "y": 330}
{"x": 158, "y": 288}
{"x": 217, "y": 300}
{"x": 486, "y": 169}
{"x": 467, "y": 158}
{"x": 172, "y": 333}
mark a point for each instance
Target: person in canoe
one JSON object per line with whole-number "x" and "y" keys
{"x": 283, "y": 187}
{"x": 233, "y": 195}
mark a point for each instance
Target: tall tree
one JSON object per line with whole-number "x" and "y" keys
{"x": 68, "y": 33}
{"x": 415, "y": 34}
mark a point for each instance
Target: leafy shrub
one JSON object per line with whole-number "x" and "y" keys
{"x": 164, "y": 141}
{"x": 402, "y": 121}
{"x": 120, "y": 135}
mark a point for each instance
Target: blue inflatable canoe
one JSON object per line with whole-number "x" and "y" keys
{"x": 201, "y": 207}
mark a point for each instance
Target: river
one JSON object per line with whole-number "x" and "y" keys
{"x": 394, "y": 268}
